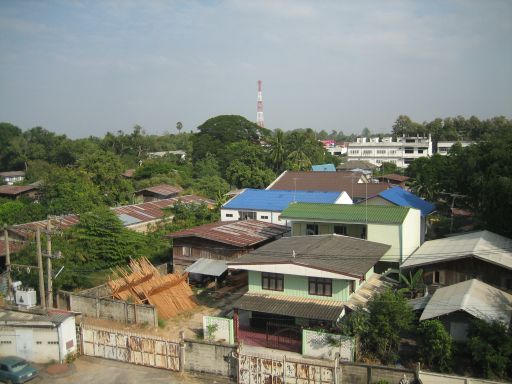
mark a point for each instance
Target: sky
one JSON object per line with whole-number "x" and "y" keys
{"x": 87, "y": 67}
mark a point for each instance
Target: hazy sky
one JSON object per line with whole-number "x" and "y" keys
{"x": 88, "y": 67}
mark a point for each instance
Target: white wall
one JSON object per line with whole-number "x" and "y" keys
{"x": 271, "y": 217}
{"x": 67, "y": 333}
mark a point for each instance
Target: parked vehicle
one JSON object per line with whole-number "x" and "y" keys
{"x": 15, "y": 370}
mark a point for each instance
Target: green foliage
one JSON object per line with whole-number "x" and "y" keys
{"x": 435, "y": 346}
{"x": 20, "y": 211}
{"x": 211, "y": 186}
{"x": 412, "y": 283}
{"x": 211, "y": 329}
{"x": 69, "y": 191}
{"x": 490, "y": 345}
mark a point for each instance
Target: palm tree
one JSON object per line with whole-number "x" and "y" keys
{"x": 298, "y": 146}
{"x": 277, "y": 151}
{"x": 179, "y": 126}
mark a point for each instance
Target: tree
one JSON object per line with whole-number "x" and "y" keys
{"x": 366, "y": 133}
{"x": 7, "y": 133}
{"x": 179, "y": 126}
{"x": 413, "y": 284}
{"x": 490, "y": 345}
{"x": 435, "y": 346}
{"x": 389, "y": 316}
{"x": 277, "y": 150}
{"x": 69, "y": 191}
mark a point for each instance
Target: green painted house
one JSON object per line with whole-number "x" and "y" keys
{"x": 301, "y": 281}
{"x": 399, "y": 227}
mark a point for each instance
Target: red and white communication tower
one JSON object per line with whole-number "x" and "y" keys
{"x": 259, "y": 114}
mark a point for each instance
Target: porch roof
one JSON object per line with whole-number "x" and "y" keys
{"x": 209, "y": 267}
{"x": 291, "y": 306}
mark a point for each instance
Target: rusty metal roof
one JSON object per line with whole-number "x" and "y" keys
{"x": 394, "y": 177}
{"x": 243, "y": 233}
{"x": 162, "y": 189}
{"x": 306, "y": 308}
{"x": 12, "y": 173}
{"x": 13, "y": 190}
{"x": 328, "y": 181}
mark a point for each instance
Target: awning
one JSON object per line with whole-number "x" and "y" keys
{"x": 208, "y": 267}
{"x": 306, "y": 308}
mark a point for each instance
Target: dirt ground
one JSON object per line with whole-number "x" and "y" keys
{"x": 211, "y": 302}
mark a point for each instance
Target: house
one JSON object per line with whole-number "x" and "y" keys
{"x": 323, "y": 167}
{"x": 17, "y": 191}
{"x": 179, "y": 153}
{"x": 335, "y": 148}
{"x": 354, "y": 183}
{"x": 456, "y": 305}
{"x": 400, "y": 197}
{"x": 393, "y": 179}
{"x": 158, "y": 192}
{"x": 300, "y": 282}
{"x": 222, "y": 240}
{"x": 443, "y": 147}
{"x": 398, "y": 227}
{"x": 483, "y": 255}
{"x": 40, "y": 337}
{"x": 267, "y": 205}
{"x": 358, "y": 166}
{"x": 11, "y": 177}
{"x": 401, "y": 152}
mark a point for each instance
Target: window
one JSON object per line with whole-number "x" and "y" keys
{"x": 378, "y": 161}
{"x": 367, "y": 152}
{"x": 409, "y": 150}
{"x": 354, "y": 151}
{"x": 6, "y": 342}
{"x": 381, "y": 151}
{"x": 247, "y": 215}
{"x": 53, "y": 342}
{"x": 408, "y": 160}
{"x": 340, "y": 230}
{"x": 186, "y": 251}
{"x": 263, "y": 217}
{"x": 311, "y": 229}
{"x": 272, "y": 281}
{"x": 229, "y": 215}
{"x": 434, "y": 277}
{"x": 320, "y": 287}
{"x": 420, "y": 150}
{"x": 39, "y": 342}
{"x": 392, "y": 151}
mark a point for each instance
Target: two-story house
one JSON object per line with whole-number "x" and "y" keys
{"x": 267, "y": 205}
{"x": 398, "y": 227}
{"x": 300, "y": 282}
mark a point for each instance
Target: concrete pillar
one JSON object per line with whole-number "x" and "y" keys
{"x": 182, "y": 351}
{"x": 236, "y": 323}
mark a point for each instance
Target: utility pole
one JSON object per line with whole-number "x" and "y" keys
{"x": 40, "y": 267}
{"x": 7, "y": 261}
{"x": 49, "y": 284}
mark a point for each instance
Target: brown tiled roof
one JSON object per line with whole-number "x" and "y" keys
{"x": 291, "y": 306}
{"x": 328, "y": 181}
{"x": 13, "y": 190}
{"x": 242, "y": 233}
{"x": 334, "y": 253}
{"x": 394, "y": 177}
{"x": 162, "y": 189}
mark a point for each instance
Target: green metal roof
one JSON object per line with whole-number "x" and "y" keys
{"x": 343, "y": 213}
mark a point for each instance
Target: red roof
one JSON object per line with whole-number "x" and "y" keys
{"x": 162, "y": 189}
{"x": 241, "y": 233}
{"x": 13, "y": 190}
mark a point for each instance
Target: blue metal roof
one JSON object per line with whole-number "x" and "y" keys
{"x": 277, "y": 200}
{"x": 324, "y": 167}
{"x": 403, "y": 198}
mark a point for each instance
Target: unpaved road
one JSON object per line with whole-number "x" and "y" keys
{"x": 92, "y": 370}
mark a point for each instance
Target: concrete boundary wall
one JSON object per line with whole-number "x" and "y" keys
{"x": 111, "y": 309}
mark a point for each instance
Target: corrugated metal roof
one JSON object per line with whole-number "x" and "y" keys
{"x": 394, "y": 177}
{"x": 13, "y": 190}
{"x": 403, "y": 198}
{"x": 323, "y": 167}
{"x": 277, "y": 200}
{"x": 162, "y": 189}
{"x": 328, "y": 181}
{"x": 472, "y": 296}
{"x": 25, "y": 318}
{"x": 346, "y": 213}
{"x": 484, "y": 245}
{"x": 12, "y": 173}
{"x": 239, "y": 233}
{"x": 306, "y": 308}
{"x": 335, "y": 253}
{"x": 209, "y": 267}
{"x": 354, "y": 164}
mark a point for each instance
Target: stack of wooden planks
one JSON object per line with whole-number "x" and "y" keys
{"x": 142, "y": 283}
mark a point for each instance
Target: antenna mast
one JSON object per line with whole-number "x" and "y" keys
{"x": 259, "y": 107}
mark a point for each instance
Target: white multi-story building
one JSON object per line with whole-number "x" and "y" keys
{"x": 443, "y": 147}
{"x": 401, "y": 152}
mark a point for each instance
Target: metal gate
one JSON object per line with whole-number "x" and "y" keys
{"x": 131, "y": 348}
{"x": 259, "y": 369}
